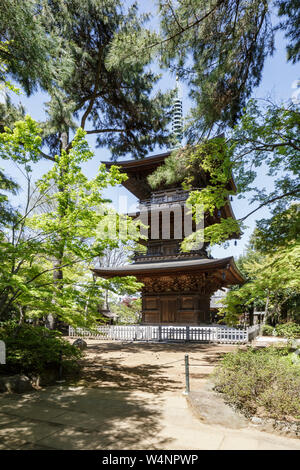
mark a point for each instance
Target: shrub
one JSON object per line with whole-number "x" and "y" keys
{"x": 263, "y": 382}
{"x": 288, "y": 330}
{"x": 35, "y": 349}
{"x": 267, "y": 330}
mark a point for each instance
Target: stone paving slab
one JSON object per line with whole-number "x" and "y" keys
{"x": 233, "y": 439}
{"x": 242, "y": 443}
{"x": 32, "y": 411}
{"x": 11, "y": 443}
{"x": 220, "y": 413}
{"x": 31, "y": 446}
{"x": 70, "y": 438}
{"x": 6, "y": 419}
{"x": 190, "y": 437}
{"x": 28, "y": 431}
{"x": 77, "y": 419}
{"x": 169, "y": 424}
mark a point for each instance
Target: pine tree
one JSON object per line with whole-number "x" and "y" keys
{"x": 289, "y": 12}
{"x": 119, "y": 106}
{"x": 218, "y": 47}
{"x": 26, "y": 47}
{"x": 116, "y": 105}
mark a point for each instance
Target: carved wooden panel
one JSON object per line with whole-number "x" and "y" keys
{"x": 179, "y": 282}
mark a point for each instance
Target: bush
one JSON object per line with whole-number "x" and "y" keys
{"x": 263, "y": 382}
{"x": 267, "y": 330}
{"x": 35, "y": 349}
{"x": 288, "y": 330}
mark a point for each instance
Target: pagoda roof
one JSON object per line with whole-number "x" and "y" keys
{"x": 150, "y": 161}
{"x": 138, "y": 171}
{"x": 184, "y": 266}
{"x": 144, "y": 167}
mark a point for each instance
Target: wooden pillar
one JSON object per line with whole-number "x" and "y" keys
{"x": 203, "y": 308}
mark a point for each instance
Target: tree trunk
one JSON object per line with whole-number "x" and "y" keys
{"x": 251, "y": 316}
{"x": 22, "y": 315}
{"x": 266, "y": 308}
{"x": 53, "y": 322}
{"x": 106, "y": 306}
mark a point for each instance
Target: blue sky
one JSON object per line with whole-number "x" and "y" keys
{"x": 277, "y": 82}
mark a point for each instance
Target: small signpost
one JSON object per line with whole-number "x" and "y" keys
{"x": 2, "y": 352}
{"x": 187, "y": 375}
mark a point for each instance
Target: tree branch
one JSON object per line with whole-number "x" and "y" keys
{"x": 268, "y": 147}
{"x": 101, "y": 131}
{"x": 19, "y": 291}
{"x": 93, "y": 97}
{"x": 183, "y": 30}
{"x": 270, "y": 201}
{"x": 47, "y": 157}
{"x": 174, "y": 15}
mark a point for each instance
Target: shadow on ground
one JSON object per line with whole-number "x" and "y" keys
{"x": 60, "y": 418}
{"x": 150, "y": 367}
{"x": 117, "y": 402}
{"x": 138, "y": 347}
{"x": 147, "y": 378}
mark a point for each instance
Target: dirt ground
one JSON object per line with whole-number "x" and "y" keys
{"x": 128, "y": 396}
{"x": 149, "y": 367}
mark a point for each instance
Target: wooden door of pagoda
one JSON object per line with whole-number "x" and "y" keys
{"x": 168, "y": 309}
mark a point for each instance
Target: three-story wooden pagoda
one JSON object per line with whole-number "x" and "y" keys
{"x": 177, "y": 285}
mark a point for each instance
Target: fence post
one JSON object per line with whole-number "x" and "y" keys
{"x": 187, "y": 333}
{"x": 187, "y": 375}
{"x": 217, "y": 335}
{"x": 159, "y": 332}
{"x": 247, "y": 335}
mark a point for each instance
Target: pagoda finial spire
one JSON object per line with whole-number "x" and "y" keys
{"x": 177, "y": 116}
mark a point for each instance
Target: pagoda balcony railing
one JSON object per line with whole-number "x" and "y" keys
{"x": 168, "y": 196}
{"x": 149, "y": 256}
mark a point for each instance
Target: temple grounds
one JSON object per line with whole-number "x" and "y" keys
{"x": 129, "y": 396}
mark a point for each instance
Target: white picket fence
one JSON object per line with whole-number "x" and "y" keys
{"x": 215, "y": 334}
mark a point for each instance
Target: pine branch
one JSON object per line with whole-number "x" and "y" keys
{"x": 178, "y": 33}
{"x": 174, "y": 15}
{"x": 189, "y": 26}
{"x": 93, "y": 97}
{"x": 101, "y": 131}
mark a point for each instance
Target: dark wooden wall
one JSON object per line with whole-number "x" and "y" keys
{"x": 176, "y": 308}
